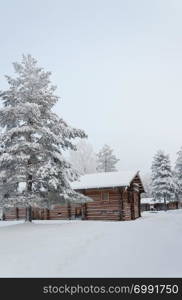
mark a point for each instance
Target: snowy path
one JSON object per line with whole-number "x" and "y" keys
{"x": 148, "y": 247}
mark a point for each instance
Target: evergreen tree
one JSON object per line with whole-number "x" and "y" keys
{"x": 32, "y": 140}
{"x": 162, "y": 178}
{"x": 84, "y": 158}
{"x": 106, "y": 160}
{"x": 178, "y": 176}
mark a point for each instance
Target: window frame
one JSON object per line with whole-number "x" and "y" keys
{"x": 102, "y": 195}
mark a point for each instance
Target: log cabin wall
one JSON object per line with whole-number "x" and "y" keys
{"x": 120, "y": 205}
{"x": 76, "y": 211}
{"x": 114, "y": 204}
{"x": 102, "y": 208}
{"x": 159, "y": 206}
{"x": 59, "y": 212}
{"x": 131, "y": 205}
{"x": 20, "y": 213}
{"x": 173, "y": 205}
{"x": 127, "y": 203}
{"x": 117, "y": 203}
{"x": 10, "y": 214}
{"x": 145, "y": 206}
{"x": 38, "y": 214}
{"x": 136, "y": 198}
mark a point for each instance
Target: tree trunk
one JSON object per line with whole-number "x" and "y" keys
{"x": 29, "y": 214}
{"x": 165, "y": 204}
{"x": 17, "y": 213}
{"x": 29, "y": 179}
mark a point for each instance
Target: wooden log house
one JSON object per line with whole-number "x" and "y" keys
{"x": 148, "y": 204}
{"x": 115, "y": 196}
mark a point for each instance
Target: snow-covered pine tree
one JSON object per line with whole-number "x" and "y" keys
{"x": 32, "y": 140}
{"x": 162, "y": 178}
{"x": 106, "y": 160}
{"x": 84, "y": 158}
{"x": 178, "y": 176}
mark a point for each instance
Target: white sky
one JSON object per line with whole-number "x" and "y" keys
{"x": 117, "y": 65}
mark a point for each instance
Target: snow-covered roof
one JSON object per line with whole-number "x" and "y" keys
{"x": 103, "y": 180}
{"x": 152, "y": 201}
{"x": 147, "y": 201}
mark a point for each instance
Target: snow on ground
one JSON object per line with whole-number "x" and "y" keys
{"x": 148, "y": 247}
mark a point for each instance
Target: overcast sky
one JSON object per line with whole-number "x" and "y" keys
{"x": 117, "y": 65}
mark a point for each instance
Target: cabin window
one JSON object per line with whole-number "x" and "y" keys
{"x": 105, "y": 196}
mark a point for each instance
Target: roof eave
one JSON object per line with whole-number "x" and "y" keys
{"x": 101, "y": 188}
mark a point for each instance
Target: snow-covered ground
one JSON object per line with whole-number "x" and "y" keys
{"x": 148, "y": 247}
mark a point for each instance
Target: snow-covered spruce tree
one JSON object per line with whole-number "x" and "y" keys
{"x": 106, "y": 160}
{"x": 84, "y": 158}
{"x": 33, "y": 138}
{"x": 162, "y": 178}
{"x": 178, "y": 176}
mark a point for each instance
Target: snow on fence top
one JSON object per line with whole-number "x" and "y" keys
{"x": 102, "y": 180}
